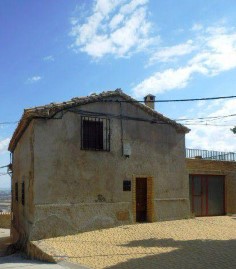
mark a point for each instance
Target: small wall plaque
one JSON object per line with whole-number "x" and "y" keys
{"x": 126, "y": 185}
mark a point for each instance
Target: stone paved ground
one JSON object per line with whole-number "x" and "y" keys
{"x": 4, "y": 240}
{"x": 182, "y": 244}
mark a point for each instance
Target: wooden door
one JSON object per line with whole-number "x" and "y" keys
{"x": 207, "y": 193}
{"x": 141, "y": 199}
{"x": 215, "y": 195}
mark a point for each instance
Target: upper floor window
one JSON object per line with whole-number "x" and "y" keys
{"x": 16, "y": 191}
{"x": 95, "y": 133}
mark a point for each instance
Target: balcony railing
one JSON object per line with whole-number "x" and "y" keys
{"x": 210, "y": 155}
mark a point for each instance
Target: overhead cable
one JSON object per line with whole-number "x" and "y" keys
{"x": 196, "y": 99}
{"x": 166, "y": 100}
{"x": 203, "y": 118}
{"x": 3, "y": 174}
{"x": 4, "y": 166}
{"x": 8, "y": 122}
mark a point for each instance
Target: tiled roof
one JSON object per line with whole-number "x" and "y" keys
{"x": 48, "y": 111}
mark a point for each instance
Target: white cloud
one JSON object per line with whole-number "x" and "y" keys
{"x": 106, "y": 6}
{"x": 201, "y": 103}
{"x": 211, "y": 137}
{"x": 73, "y": 21}
{"x": 210, "y": 52}
{"x": 167, "y": 54}
{"x": 219, "y": 52}
{"x": 132, "y": 6}
{"x": 167, "y": 80}
{"x": 197, "y": 27}
{"x": 34, "y": 79}
{"x": 4, "y": 145}
{"x": 49, "y": 58}
{"x": 118, "y": 28}
{"x": 116, "y": 21}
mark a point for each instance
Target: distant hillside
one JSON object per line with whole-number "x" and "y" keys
{"x": 5, "y": 200}
{"x": 5, "y": 190}
{"x": 5, "y": 195}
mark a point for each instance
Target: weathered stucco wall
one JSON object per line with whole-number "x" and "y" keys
{"x": 228, "y": 169}
{"x": 23, "y": 157}
{"x": 77, "y": 190}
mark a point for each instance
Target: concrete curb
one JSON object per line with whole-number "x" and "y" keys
{"x": 36, "y": 251}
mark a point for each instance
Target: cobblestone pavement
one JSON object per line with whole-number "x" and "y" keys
{"x": 4, "y": 240}
{"x": 182, "y": 244}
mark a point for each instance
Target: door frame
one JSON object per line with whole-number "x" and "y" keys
{"x": 150, "y": 196}
{"x": 206, "y": 182}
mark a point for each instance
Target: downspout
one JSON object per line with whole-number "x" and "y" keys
{"x": 10, "y": 173}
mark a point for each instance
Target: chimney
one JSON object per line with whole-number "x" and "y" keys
{"x": 149, "y": 101}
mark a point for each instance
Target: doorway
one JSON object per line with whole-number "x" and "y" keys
{"x": 141, "y": 199}
{"x": 207, "y": 194}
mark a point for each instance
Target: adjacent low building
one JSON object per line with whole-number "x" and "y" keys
{"x": 212, "y": 182}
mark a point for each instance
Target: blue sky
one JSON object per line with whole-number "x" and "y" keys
{"x": 51, "y": 51}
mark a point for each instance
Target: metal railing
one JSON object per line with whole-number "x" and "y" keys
{"x": 210, "y": 155}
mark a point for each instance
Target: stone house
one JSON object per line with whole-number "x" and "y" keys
{"x": 94, "y": 162}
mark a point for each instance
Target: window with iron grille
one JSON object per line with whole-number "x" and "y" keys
{"x": 95, "y": 133}
{"x": 16, "y": 191}
{"x": 23, "y": 193}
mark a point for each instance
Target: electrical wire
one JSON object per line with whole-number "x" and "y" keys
{"x": 8, "y": 122}
{"x": 184, "y": 121}
{"x": 176, "y": 100}
{"x": 170, "y": 100}
{"x": 209, "y": 124}
{"x": 181, "y": 119}
{"x": 4, "y": 166}
{"x": 197, "y": 99}
{"x": 3, "y": 174}
{"x": 203, "y": 118}
{"x": 124, "y": 117}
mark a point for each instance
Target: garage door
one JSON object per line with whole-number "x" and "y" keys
{"x": 207, "y": 195}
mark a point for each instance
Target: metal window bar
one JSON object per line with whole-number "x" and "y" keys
{"x": 23, "y": 193}
{"x": 16, "y": 191}
{"x": 95, "y": 133}
{"x": 211, "y": 155}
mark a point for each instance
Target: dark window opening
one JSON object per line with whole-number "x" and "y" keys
{"x": 23, "y": 193}
{"x": 95, "y": 133}
{"x": 16, "y": 191}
